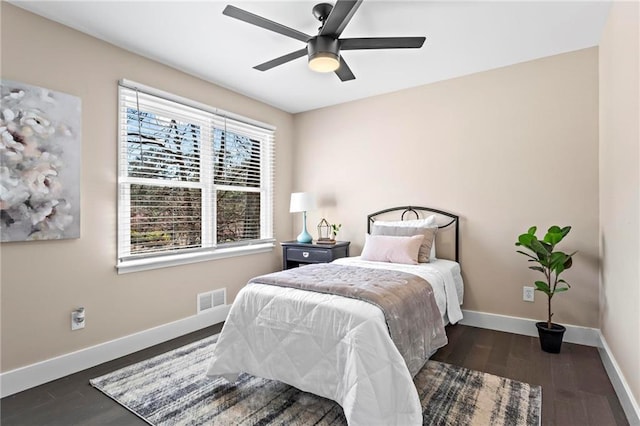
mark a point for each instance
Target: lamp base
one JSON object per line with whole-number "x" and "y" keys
{"x": 304, "y": 237}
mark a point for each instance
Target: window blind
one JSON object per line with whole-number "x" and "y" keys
{"x": 189, "y": 178}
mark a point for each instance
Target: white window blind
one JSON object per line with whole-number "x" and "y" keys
{"x": 191, "y": 180}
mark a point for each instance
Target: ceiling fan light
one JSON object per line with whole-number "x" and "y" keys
{"x": 324, "y": 62}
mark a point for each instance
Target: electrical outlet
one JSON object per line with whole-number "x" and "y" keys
{"x": 77, "y": 319}
{"x": 528, "y": 294}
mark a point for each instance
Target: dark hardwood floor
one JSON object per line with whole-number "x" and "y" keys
{"x": 575, "y": 386}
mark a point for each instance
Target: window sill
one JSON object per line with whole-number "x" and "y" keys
{"x": 184, "y": 259}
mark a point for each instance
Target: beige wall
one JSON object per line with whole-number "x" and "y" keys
{"x": 619, "y": 188}
{"x": 43, "y": 281}
{"x": 505, "y": 149}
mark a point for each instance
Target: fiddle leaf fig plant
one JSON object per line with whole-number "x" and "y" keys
{"x": 548, "y": 261}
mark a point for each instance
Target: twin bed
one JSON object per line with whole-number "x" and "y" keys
{"x": 362, "y": 333}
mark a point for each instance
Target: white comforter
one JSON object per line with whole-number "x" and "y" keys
{"x": 332, "y": 346}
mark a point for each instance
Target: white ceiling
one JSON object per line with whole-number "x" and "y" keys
{"x": 462, "y": 38}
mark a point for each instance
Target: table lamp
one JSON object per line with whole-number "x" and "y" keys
{"x": 302, "y": 202}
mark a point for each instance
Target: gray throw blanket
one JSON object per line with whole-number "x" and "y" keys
{"x": 407, "y": 301}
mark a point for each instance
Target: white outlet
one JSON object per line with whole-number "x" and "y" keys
{"x": 528, "y": 294}
{"x": 77, "y": 319}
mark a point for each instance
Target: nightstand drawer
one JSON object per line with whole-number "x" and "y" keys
{"x": 295, "y": 254}
{"x": 309, "y": 256}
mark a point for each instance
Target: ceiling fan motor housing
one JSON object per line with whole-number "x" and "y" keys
{"x": 323, "y": 46}
{"x": 324, "y": 53}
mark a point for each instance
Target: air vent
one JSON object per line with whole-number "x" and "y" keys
{"x": 211, "y": 299}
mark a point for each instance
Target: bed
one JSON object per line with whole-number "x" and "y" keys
{"x": 341, "y": 347}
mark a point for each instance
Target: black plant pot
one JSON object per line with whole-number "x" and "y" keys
{"x": 550, "y": 338}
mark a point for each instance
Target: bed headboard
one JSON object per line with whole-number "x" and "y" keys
{"x": 407, "y": 212}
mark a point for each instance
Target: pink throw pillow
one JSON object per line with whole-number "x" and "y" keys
{"x": 385, "y": 248}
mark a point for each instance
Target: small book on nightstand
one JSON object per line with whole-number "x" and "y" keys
{"x": 328, "y": 242}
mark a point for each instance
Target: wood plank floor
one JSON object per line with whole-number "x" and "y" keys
{"x": 575, "y": 386}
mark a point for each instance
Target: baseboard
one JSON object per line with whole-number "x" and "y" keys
{"x": 574, "y": 334}
{"x": 23, "y": 378}
{"x": 525, "y": 326}
{"x": 628, "y": 402}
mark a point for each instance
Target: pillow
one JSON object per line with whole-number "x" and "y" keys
{"x": 429, "y": 235}
{"x": 384, "y": 248}
{"x": 428, "y": 222}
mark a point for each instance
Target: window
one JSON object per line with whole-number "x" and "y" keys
{"x": 194, "y": 184}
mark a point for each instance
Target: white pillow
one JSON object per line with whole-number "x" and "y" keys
{"x": 427, "y": 222}
{"x": 385, "y": 248}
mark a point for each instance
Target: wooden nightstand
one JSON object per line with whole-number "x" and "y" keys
{"x": 295, "y": 254}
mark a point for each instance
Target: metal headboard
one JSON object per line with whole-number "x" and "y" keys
{"x": 414, "y": 209}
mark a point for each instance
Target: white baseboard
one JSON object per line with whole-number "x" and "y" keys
{"x": 525, "y": 326}
{"x": 574, "y": 334}
{"x": 629, "y": 404}
{"x": 51, "y": 369}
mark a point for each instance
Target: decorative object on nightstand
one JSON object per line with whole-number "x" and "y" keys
{"x": 324, "y": 232}
{"x": 551, "y": 263}
{"x": 302, "y": 202}
{"x": 335, "y": 228}
{"x": 295, "y": 254}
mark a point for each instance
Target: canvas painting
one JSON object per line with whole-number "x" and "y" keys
{"x": 39, "y": 163}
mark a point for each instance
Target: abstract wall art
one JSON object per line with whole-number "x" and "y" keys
{"x": 39, "y": 163}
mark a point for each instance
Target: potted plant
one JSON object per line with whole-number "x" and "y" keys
{"x": 551, "y": 263}
{"x": 334, "y": 230}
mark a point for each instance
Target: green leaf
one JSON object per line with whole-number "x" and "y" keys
{"x": 528, "y": 255}
{"x": 539, "y": 248}
{"x": 557, "y": 261}
{"x": 569, "y": 262}
{"x": 532, "y": 230}
{"x": 543, "y": 287}
{"x": 537, "y": 268}
{"x": 525, "y": 240}
{"x": 560, "y": 289}
{"x": 553, "y": 238}
{"x": 547, "y": 246}
{"x": 556, "y": 234}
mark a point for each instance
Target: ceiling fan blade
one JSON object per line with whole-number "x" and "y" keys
{"x": 344, "y": 72}
{"x": 281, "y": 60}
{"x": 339, "y": 17}
{"x": 382, "y": 43}
{"x": 259, "y": 21}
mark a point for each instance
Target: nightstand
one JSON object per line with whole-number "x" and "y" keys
{"x": 295, "y": 254}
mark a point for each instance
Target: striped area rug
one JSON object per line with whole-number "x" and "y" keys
{"x": 172, "y": 389}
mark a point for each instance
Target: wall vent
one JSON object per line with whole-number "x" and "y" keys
{"x": 211, "y": 299}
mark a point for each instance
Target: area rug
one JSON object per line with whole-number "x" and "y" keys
{"x": 172, "y": 389}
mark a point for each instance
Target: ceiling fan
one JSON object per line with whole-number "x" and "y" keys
{"x": 323, "y": 50}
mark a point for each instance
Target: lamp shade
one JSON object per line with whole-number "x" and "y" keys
{"x": 302, "y": 202}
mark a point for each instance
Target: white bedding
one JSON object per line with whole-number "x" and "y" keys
{"x": 332, "y": 346}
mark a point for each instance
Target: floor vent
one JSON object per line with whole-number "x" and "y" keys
{"x": 211, "y": 299}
